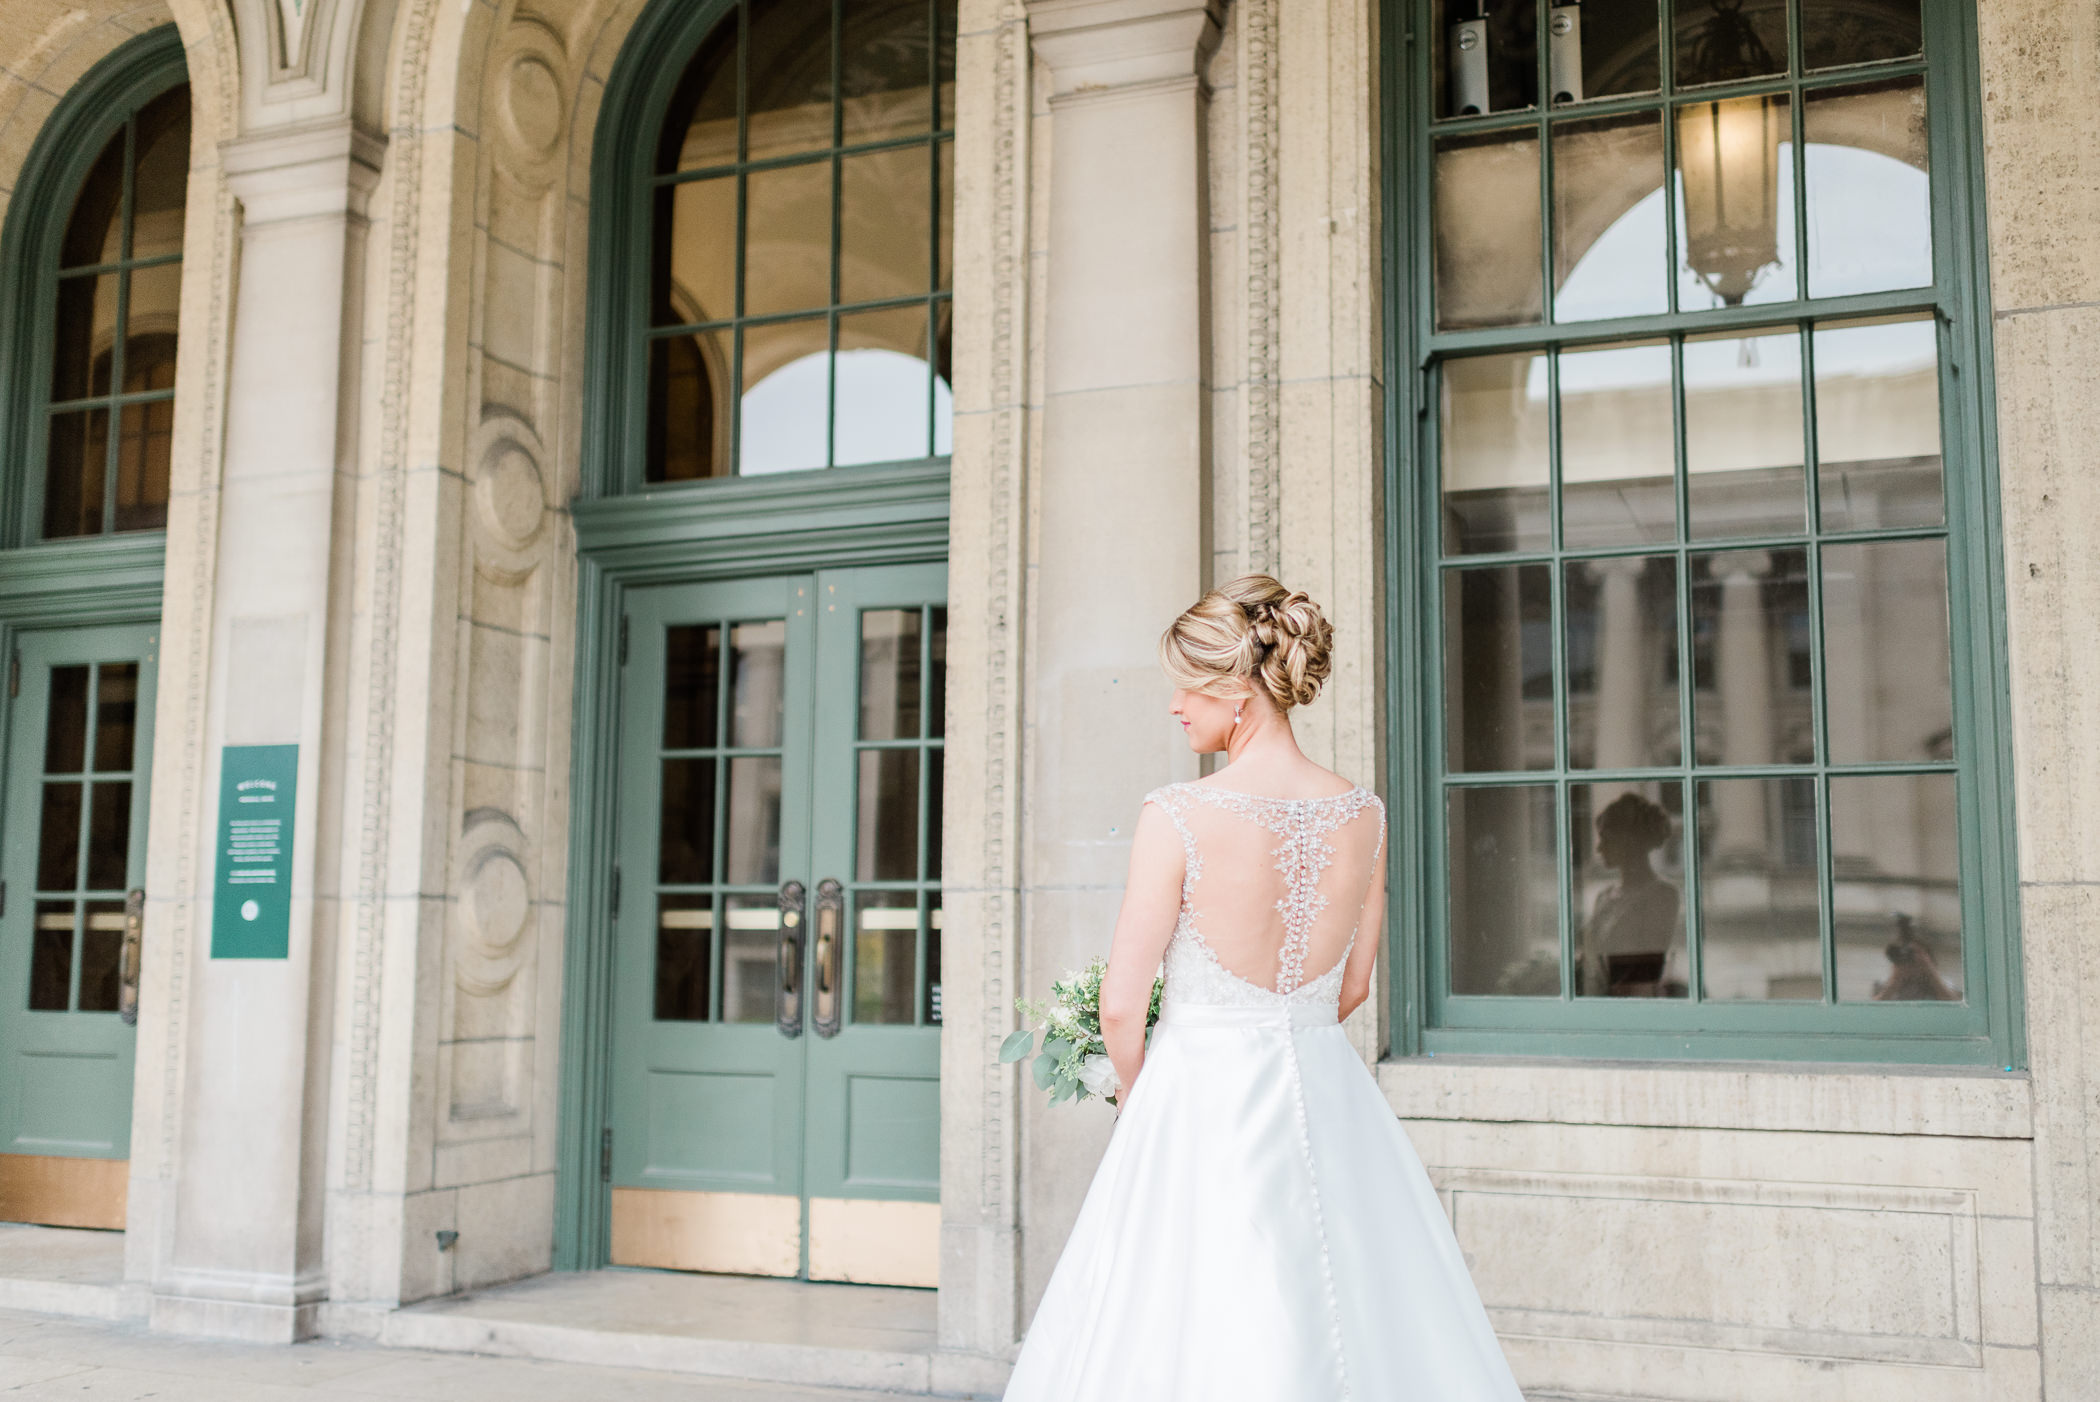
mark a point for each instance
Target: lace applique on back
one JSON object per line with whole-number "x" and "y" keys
{"x": 1298, "y": 837}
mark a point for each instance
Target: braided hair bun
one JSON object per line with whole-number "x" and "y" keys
{"x": 1251, "y": 633}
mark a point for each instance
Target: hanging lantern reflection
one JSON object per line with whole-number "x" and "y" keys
{"x": 1728, "y": 154}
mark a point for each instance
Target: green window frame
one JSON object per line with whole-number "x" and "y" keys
{"x": 100, "y": 112}
{"x": 1443, "y": 1008}
{"x": 656, "y": 352}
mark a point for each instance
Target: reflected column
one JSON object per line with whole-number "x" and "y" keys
{"x": 1742, "y": 671}
{"x": 1622, "y": 675}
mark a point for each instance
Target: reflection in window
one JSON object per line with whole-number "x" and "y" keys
{"x": 801, "y": 287}
{"x": 108, "y": 443}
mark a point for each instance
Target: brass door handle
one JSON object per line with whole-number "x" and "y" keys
{"x": 128, "y": 967}
{"x": 830, "y": 918}
{"x": 787, "y": 999}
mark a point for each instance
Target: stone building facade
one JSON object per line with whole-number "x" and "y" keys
{"x": 525, "y": 402}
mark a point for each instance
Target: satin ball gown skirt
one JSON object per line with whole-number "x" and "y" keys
{"x": 1260, "y": 1230}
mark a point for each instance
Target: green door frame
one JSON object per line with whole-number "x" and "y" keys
{"x": 726, "y": 529}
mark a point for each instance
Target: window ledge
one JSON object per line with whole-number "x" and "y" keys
{"x": 1847, "y": 1099}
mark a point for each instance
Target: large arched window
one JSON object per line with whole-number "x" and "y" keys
{"x": 1701, "y": 538}
{"x": 799, "y": 243}
{"x": 95, "y": 248}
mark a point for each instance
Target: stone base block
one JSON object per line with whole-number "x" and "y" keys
{"x": 241, "y": 1320}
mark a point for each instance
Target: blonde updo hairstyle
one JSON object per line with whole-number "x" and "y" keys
{"x": 1251, "y": 634}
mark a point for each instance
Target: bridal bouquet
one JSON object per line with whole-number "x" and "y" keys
{"x": 1073, "y": 1063}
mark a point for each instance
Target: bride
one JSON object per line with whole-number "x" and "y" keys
{"x": 1260, "y": 1229}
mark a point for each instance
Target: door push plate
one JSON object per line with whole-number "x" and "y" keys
{"x": 831, "y": 920}
{"x": 128, "y": 966}
{"x": 787, "y": 999}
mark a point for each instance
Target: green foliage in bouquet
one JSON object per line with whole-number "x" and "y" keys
{"x": 1073, "y": 1064}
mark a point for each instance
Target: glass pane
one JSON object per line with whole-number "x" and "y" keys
{"x": 786, "y": 404}
{"x": 885, "y": 956}
{"x": 885, "y": 71}
{"x": 1621, "y": 658}
{"x": 102, "y": 957}
{"x": 944, "y": 16}
{"x": 1610, "y": 255}
{"x": 1758, "y": 921}
{"x": 94, "y": 233}
{"x": 1869, "y": 189}
{"x": 788, "y": 77}
{"x": 1505, "y": 892}
{"x": 1490, "y": 56}
{"x": 885, "y": 224}
{"x": 886, "y": 835}
{"x": 750, "y": 958}
{"x": 937, "y": 683}
{"x": 692, "y": 685}
{"x": 787, "y": 238}
{"x": 1886, "y": 652}
{"x": 1494, "y": 423}
{"x": 51, "y": 958}
{"x": 685, "y": 928}
{"x": 152, "y": 317}
{"x": 700, "y": 124}
{"x": 86, "y": 329}
{"x": 944, "y": 273}
{"x": 685, "y": 835}
{"x": 58, "y": 844}
{"x": 1627, "y": 855}
{"x": 1487, "y": 230}
{"x": 1838, "y": 32}
{"x": 695, "y": 252}
{"x": 889, "y": 673}
{"x": 76, "y": 472}
{"x": 757, "y": 673}
{"x": 65, "y": 733}
{"x": 689, "y": 407}
{"x": 936, "y": 761}
{"x": 109, "y": 837}
{"x": 1735, "y": 203}
{"x": 1878, "y": 424}
{"x": 116, "y": 714}
{"x": 1743, "y": 435}
{"x": 1723, "y": 41}
{"x": 145, "y": 453}
{"x": 161, "y": 185}
{"x": 1618, "y": 45}
{"x": 1618, "y": 446}
{"x": 933, "y": 960}
{"x": 1498, "y": 668}
{"x": 1896, "y": 862}
{"x": 886, "y": 391}
{"x": 1752, "y": 650}
{"x": 752, "y": 847}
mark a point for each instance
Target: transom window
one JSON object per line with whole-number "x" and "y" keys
{"x": 115, "y": 314}
{"x": 1700, "y": 515}
{"x": 802, "y": 244}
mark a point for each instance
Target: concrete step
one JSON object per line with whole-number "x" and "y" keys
{"x": 68, "y": 1271}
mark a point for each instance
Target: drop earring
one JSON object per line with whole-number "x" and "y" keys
{"x": 1236, "y": 712}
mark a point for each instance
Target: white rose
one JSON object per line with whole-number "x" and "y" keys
{"x": 1098, "y": 1074}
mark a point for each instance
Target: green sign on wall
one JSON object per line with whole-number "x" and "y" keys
{"x": 252, "y": 900}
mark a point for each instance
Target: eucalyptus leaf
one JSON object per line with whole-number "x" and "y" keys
{"x": 1058, "y": 1047}
{"x": 1016, "y": 1045}
{"x": 1045, "y": 1068}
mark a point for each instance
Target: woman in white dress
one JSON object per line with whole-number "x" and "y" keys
{"x": 1260, "y": 1229}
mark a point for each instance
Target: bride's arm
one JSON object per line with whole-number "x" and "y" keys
{"x": 1370, "y": 929}
{"x": 1151, "y": 904}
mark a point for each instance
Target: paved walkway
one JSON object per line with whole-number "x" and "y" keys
{"x": 48, "y": 1357}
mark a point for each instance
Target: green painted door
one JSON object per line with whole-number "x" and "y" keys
{"x": 777, "y": 988}
{"x": 72, "y": 860}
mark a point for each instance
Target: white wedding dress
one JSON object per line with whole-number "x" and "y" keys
{"x": 1260, "y": 1229}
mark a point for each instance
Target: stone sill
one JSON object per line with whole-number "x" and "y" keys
{"x": 1826, "y": 1099}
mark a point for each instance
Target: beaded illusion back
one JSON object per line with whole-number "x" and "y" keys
{"x": 1273, "y": 887}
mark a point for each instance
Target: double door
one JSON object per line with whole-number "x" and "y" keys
{"x": 72, "y": 864}
{"x": 775, "y": 1096}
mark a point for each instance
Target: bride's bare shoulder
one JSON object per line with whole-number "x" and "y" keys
{"x": 1300, "y": 781}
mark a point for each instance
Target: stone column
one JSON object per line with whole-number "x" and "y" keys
{"x": 1742, "y": 671}
{"x": 1622, "y": 670}
{"x": 239, "y": 1250}
{"x": 1119, "y": 498}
